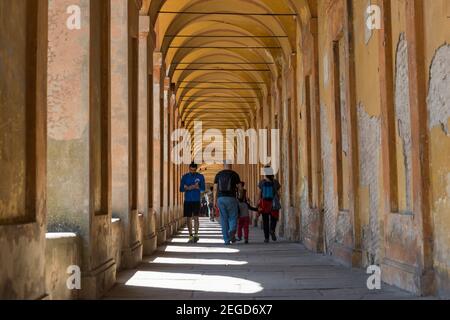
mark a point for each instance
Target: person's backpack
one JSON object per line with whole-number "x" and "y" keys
{"x": 268, "y": 190}
{"x": 224, "y": 184}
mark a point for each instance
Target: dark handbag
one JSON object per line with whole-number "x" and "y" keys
{"x": 276, "y": 204}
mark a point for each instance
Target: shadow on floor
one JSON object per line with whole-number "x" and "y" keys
{"x": 209, "y": 270}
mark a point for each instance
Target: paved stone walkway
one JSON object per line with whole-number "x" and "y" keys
{"x": 211, "y": 270}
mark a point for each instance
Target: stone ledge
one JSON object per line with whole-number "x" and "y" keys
{"x": 62, "y": 250}
{"x": 60, "y": 236}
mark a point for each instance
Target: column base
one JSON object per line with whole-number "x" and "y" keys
{"x": 150, "y": 244}
{"x": 95, "y": 283}
{"x": 162, "y": 236}
{"x": 174, "y": 227}
{"x": 132, "y": 256}
{"x": 347, "y": 256}
{"x": 168, "y": 228}
{"x": 181, "y": 224}
{"x": 312, "y": 233}
{"x": 407, "y": 277}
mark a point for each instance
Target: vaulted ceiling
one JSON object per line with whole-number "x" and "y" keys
{"x": 224, "y": 56}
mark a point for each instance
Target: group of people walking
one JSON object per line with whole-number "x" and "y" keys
{"x": 229, "y": 197}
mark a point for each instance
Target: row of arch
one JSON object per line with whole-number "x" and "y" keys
{"x": 224, "y": 62}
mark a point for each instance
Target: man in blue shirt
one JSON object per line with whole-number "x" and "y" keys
{"x": 192, "y": 184}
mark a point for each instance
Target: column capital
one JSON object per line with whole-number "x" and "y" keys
{"x": 166, "y": 83}
{"x": 157, "y": 59}
{"x": 157, "y": 65}
{"x": 138, "y": 4}
{"x": 173, "y": 101}
{"x": 144, "y": 27}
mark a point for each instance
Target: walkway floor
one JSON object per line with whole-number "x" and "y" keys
{"x": 211, "y": 270}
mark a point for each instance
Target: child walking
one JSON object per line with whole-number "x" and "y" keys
{"x": 244, "y": 218}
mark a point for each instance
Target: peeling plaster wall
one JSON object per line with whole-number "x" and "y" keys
{"x": 438, "y": 103}
{"x": 389, "y": 238}
{"x": 68, "y": 118}
{"x": 368, "y": 134}
{"x": 311, "y": 222}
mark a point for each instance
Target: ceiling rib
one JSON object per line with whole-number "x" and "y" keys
{"x": 211, "y": 88}
{"x": 220, "y": 69}
{"x": 221, "y": 97}
{"x": 233, "y": 63}
{"x": 225, "y": 47}
{"x": 223, "y": 82}
{"x": 217, "y": 47}
{"x": 288, "y": 14}
{"x": 223, "y": 36}
{"x": 212, "y": 101}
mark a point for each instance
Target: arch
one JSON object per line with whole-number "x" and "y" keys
{"x": 224, "y": 65}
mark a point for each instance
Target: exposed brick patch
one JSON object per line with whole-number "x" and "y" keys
{"x": 306, "y": 214}
{"x": 343, "y": 226}
{"x": 368, "y": 33}
{"x": 439, "y": 92}
{"x": 402, "y": 112}
{"x": 369, "y": 133}
{"x": 343, "y": 106}
{"x": 330, "y": 204}
{"x": 305, "y": 208}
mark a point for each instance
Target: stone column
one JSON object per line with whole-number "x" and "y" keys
{"x": 178, "y": 180}
{"x": 167, "y": 163}
{"x": 165, "y": 156}
{"x": 23, "y": 83}
{"x": 124, "y": 138}
{"x": 284, "y": 154}
{"x": 78, "y": 137}
{"x": 157, "y": 168}
{"x": 142, "y": 116}
{"x": 172, "y": 177}
{"x": 177, "y": 186}
{"x": 145, "y": 136}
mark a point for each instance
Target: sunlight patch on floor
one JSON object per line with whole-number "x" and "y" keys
{"x": 193, "y": 282}
{"x": 204, "y": 236}
{"x": 202, "y": 232}
{"x": 202, "y": 240}
{"x": 198, "y": 261}
{"x": 198, "y": 249}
